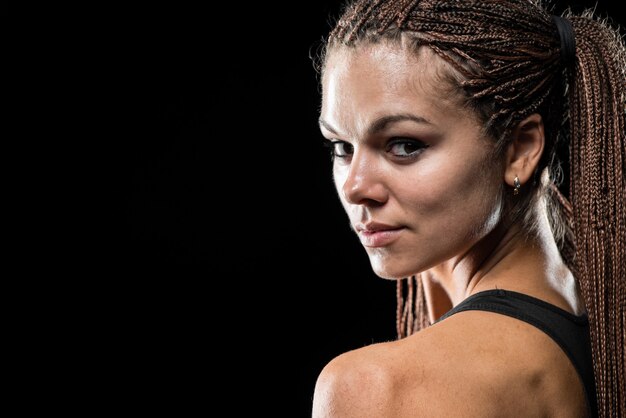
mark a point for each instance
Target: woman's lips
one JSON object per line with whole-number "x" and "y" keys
{"x": 380, "y": 237}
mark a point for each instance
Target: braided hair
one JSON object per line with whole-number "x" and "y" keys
{"x": 506, "y": 60}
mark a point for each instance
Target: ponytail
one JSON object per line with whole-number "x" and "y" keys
{"x": 597, "y": 192}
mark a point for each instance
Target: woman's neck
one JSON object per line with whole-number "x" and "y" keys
{"x": 505, "y": 259}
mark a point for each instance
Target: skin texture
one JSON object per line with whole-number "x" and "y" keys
{"x": 435, "y": 181}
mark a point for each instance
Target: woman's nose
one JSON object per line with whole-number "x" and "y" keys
{"x": 363, "y": 184}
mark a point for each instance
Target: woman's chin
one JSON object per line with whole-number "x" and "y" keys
{"x": 386, "y": 269}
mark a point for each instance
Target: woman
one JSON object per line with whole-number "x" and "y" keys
{"x": 445, "y": 119}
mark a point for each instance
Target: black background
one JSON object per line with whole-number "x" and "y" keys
{"x": 239, "y": 266}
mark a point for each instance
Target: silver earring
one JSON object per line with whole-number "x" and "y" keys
{"x": 517, "y": 185}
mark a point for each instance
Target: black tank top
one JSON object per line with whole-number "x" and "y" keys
{"x": 569, "y": 331}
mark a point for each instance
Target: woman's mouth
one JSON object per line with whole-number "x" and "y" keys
{"x": 374, "y": 235}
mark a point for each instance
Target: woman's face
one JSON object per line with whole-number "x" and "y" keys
{"x": 412, "y": 168}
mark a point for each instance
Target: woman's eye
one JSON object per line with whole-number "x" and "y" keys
{"x": 405, "y": 148}
{"x": 342, "y": 149}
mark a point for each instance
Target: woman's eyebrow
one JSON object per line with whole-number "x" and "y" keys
{"x": 327, "y": 126}
{"x": 382, "y": 122}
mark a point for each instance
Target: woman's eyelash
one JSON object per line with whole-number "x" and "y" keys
{"x": 327, "y": 143}
{"x": 415, "y": 146}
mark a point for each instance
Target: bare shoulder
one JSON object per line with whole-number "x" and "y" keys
{"x": 473, "y": 364}
{"x": 360, "y": 383}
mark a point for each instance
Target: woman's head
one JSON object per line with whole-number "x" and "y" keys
{"x": 476, "y": 87}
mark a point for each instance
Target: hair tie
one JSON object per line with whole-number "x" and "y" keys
{"x": 568, "y": 42}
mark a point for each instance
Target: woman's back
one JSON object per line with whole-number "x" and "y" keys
{"x": 472, "y": 364}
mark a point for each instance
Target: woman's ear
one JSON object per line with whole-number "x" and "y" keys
{"x": 525, "y": 150}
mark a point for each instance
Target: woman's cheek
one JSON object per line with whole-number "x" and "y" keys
{"x": 339, "y": 178}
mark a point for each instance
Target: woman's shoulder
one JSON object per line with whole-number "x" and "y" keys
{"x": 361, "y": 383}
{"x": 381, "y": 380}
{"x": 472, "y": 364}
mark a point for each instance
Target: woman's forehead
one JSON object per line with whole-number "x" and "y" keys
{"x": 384, "y": 75}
